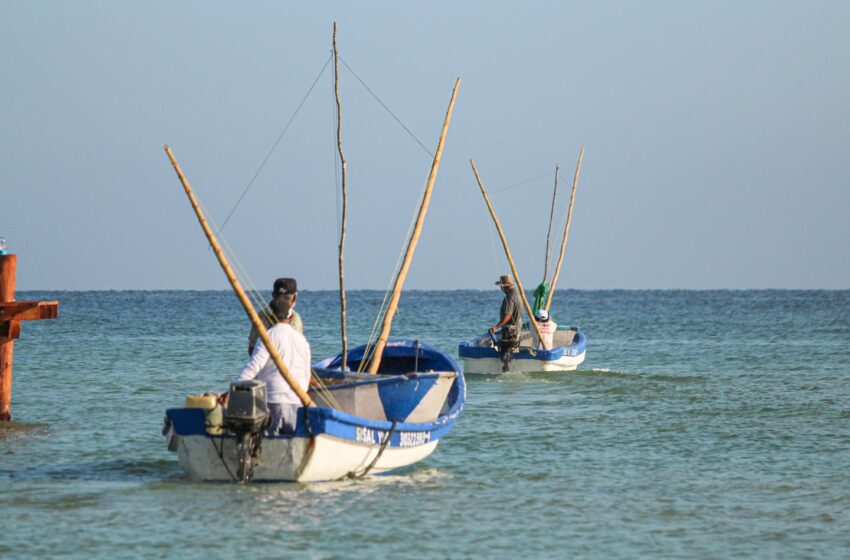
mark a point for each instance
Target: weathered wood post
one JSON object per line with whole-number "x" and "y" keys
{"x": 11, "y": 315}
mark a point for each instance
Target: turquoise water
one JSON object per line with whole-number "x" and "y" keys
{"x": 703, "y": 424}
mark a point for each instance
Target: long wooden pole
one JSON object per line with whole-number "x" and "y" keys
{"x": 411, "y": 244}
{"x": 237, "y": 287}
{"x": 510, "y": 258}
{"x": 549, "y": 231}
{"x": 8, "y": 267}
{"x": 342, "y": 320}
{"x": 566, "y": 232}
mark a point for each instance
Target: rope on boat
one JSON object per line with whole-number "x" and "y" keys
{"x": 220, "y": 452}
{"x": 259, "y": 303}
{"x": 378, "y": 99}
{"x": 367, "y": 356}
{"x": 279, "y": 138}
{"x": 384, "y": 444}
{"x": 524, "y": 182}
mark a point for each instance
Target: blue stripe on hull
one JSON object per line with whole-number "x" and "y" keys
{"x": 469, "y": 350}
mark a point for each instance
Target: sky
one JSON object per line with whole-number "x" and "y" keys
{"x": 717, "y": 138}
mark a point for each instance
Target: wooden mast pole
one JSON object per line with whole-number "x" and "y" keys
{"x": 566, "y": 231}
{"x": 414, "y": 239}
{"x": 510, "y": 258}
{"x": 549, "y": 231}
{"x": 237, "y": 287}
{"x": 342, "y": 320}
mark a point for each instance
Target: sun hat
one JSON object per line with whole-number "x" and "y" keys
{"x": 505, "y": 280}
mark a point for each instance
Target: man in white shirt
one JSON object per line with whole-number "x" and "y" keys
{"x": 295, "y": 352}
{"x": 547, "y": 329}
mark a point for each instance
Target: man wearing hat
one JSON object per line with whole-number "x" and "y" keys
{"x": 510, "y": 310}
{"x": 286, "y": 288}
{"x": 511, "y": 316}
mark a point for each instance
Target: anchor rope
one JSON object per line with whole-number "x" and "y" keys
{"x": 384, "y": 444}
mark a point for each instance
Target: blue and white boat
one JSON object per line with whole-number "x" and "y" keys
{"x": 362, "y": 424}
{"x": 568, "y": 351}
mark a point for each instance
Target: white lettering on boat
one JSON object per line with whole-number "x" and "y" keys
{"x": 412, "y": 439}
{"x": 364, "y": 435}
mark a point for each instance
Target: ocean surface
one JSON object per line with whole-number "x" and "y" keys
{"x": 704, "y": 424}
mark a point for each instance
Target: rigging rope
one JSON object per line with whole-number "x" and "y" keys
{"x": 259, "y": 303}
{"x": 378, "y": 99}
{"x": 384, "y": 304}
{"x": 279, "y": 138}
{"x": 531, "y": 180}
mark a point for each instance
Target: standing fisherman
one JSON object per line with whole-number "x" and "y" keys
{"x": 286, "y": 288}
{"x": 509, "y": 324}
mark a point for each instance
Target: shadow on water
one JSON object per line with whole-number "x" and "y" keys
{"x": 16, "y": 431}
{"x": 109, "y": 471}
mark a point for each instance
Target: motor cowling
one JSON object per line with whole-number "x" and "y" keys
{"x": 246, "y": 415}
{"x": 247, "y": 407}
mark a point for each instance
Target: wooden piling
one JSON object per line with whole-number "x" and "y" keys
{"x": 11, "y": 314}
{"x": 8, "y": 267}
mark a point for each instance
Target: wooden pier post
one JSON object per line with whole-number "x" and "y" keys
{"x": 11, "y": 314}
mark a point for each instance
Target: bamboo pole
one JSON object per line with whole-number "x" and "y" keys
{"x": 549, "y": 231}
{"x": 510, "y": 258}
{"x": 566, "y": 231}
{"x": 342, "y": 320}
{"x": 411, "y": 244}
{"x": 237, "y": 287}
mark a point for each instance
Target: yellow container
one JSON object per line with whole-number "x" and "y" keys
{"x": 213, "y": 414}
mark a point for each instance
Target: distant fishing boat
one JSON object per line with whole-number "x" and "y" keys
{"x": 371, "y": 410}
{"x": 527, "y": 351}
{"x": 567, "y": 352}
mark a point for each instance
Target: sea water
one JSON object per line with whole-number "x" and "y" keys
{"x": 703, "y": 424}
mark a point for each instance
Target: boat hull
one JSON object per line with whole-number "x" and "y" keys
{"x": 491, "y": 366}
{"x": 378, "y": 424}
{"x": 486, "y": 360}
{"x": 295, "y": 459}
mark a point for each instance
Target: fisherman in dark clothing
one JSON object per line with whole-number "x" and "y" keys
{"x": 510, "y": 321}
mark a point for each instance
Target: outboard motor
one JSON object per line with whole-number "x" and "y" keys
{"x": 246, "y": 415}
{"x": 507, "y": 345}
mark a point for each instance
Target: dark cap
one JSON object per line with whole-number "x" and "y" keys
{"x": 284, "y": 287}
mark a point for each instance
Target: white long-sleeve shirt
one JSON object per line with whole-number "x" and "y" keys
{"x": 295, "y": 351}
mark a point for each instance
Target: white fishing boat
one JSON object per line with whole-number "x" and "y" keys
{"x": 482, "y": 356}
{"x": 351, "y": 423}
{"x": 524, "y": 348}
{"x": 363, "y": 425}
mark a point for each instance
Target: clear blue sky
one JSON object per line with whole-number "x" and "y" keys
{"x": 717, "y": 139}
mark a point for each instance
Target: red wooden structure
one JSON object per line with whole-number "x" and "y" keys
{"x": 11, "y": 314}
